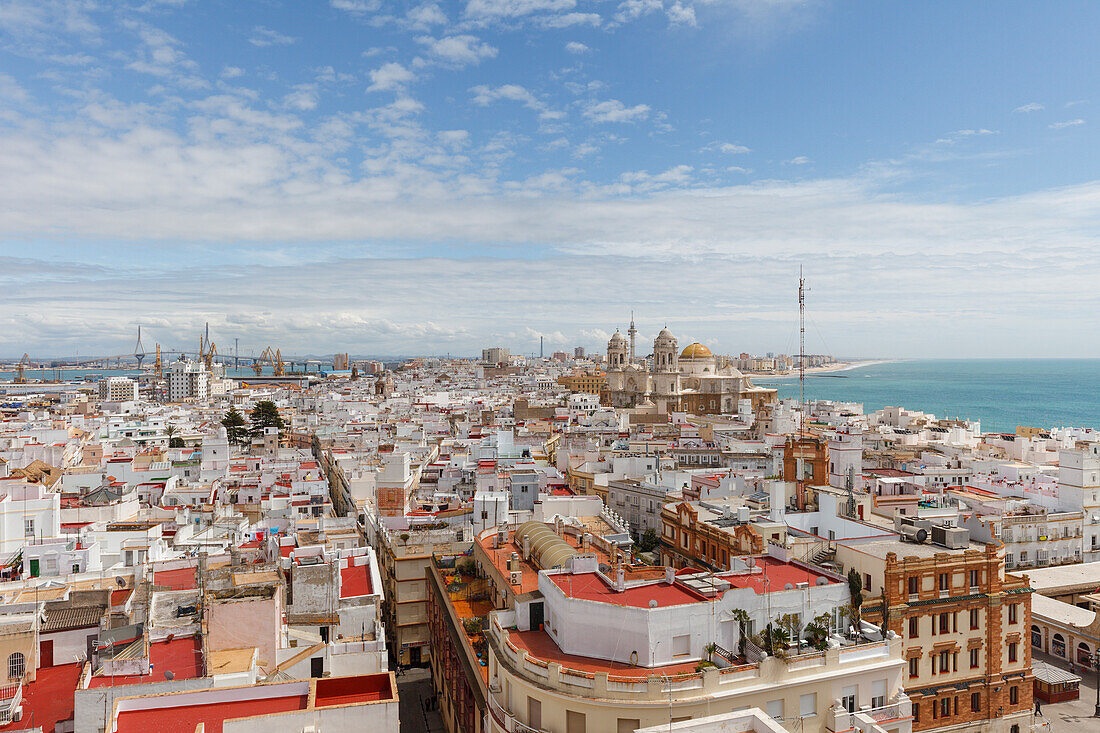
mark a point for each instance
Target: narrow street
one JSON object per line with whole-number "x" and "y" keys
{"x": 414, "y": 687}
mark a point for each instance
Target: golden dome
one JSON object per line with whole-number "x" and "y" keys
{"x": 696, "y": 351}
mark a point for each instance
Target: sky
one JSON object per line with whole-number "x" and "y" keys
{"x": 387, "y": 177}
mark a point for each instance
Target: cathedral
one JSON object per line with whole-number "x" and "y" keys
{"x": 690, "y": 381}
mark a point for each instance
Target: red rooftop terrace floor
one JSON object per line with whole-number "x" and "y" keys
{"x": 355, "y": 581}
{"x": 180, "y": 579}
{"x": 771, "y": 575}
{"x": 172, "y": 714}
{"x": 183, "y": 657}
{"x": 539, "y": 644}
{"x": 590, "y": 587}
{"x": 186, "y": 718}
{"x": 49, "y": 700}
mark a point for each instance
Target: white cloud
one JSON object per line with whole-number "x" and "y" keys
{"x": 389, "y": 76}
{"x": 232, "y": 72}
{"x": 498, "y": 9}
{"x": 357, "y": 6}
{"x": 426, "y": 15}
{"x": 953, "y": 137}
{"x": 631, "y": 10}
{"x": 1029, "y": 107}
{"x": 263, "y": 37}
{"x": 11, "y": 91}
{"x": 1066, "y": 123}
{"x": 485, "y": 95}
{"x": 576, "y": 48}
{"x": 303, "y": 98}
{"x": 458, "y": 50}
{"x": 454, "y": 138}
{"x": 727, "y": 148}
{"x": 612, "y": 110}
{"x": 798, "y": 160}
{"x": 680, "y": 14}
{"x": 568, "y": 20}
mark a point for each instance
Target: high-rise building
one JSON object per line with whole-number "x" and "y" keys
{"x": 118, "y": 389}
{"x": 495, "y": 355}
{"x": 188, "y": 380}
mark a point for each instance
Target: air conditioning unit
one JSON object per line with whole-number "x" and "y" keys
{"x": 516, "y": 576}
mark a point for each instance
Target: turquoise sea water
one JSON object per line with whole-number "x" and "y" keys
{"x": 1002, "y": 393}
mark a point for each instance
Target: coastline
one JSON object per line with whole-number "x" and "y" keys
{"x": 814, "y": 371}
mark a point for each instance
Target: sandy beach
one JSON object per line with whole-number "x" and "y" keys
{"x": 845, "y": 366}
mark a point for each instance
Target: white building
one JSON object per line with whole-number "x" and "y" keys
{"x": 118, "y": 389}
{"x": 188, "y": 380}
{"x": 1079, "y": 489}
{"x": 28, "y": 513}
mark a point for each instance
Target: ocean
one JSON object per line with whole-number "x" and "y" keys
{"x": 1002, "y": 393}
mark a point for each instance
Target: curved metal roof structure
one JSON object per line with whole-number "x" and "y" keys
{"x": 547, "y": 549}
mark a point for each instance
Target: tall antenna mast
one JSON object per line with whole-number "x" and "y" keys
{"x": 801, "y": 351}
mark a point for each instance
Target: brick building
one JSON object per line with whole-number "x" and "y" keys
{"x": 693, "y": 534}
{"x": 805, "y": 463}
{"x": 965, "y": 624}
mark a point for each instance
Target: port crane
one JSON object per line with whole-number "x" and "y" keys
{"x": 274, "y": 359}
{"x": 20, "y": 377}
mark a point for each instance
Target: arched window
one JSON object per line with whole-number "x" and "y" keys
{"x": 17, "y": 666}
{"x": 1036, "y": 637}
{"x": 1084, "y": 654}
{"x": 1058, "y": 645}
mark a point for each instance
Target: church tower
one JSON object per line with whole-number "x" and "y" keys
{"x": 616, "y": 352}
{"x": 664, "y": 352}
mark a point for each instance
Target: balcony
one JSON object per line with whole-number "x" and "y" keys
{"x": 871, "y": 720}
{"x": 11, "y": 698}
{"x": 588, "y": 677}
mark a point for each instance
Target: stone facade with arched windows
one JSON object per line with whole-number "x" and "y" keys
{"x": 692, "y": 380}
{"x": 1064, "y": 631}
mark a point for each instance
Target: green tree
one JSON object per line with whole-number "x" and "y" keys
{"x": 817, "y": 631}
{"x": 234, "y": 424}
{"x": 173, "y": 441}
{"x": 855, "y": 588}
{"x": 265, "y": 415}
{"x": 648, "y": 541}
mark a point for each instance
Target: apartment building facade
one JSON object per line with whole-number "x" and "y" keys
{"x": 964, "y": 623}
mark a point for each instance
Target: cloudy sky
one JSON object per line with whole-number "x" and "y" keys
{"x": 399, "y": 177}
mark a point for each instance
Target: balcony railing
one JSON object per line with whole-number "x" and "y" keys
{"x": 10, "y": 698}
{"x": 869, "y": 720}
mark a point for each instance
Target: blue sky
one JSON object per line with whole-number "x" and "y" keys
{"x": 381, "y": 177}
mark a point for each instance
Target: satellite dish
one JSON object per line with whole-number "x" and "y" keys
{"x": 653, "y": 603}
{"x": 788, "y": 586}
{"x": 120, "y": 581}
{"x": 169, "y": 675}
{"x": 169, "y": 638}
